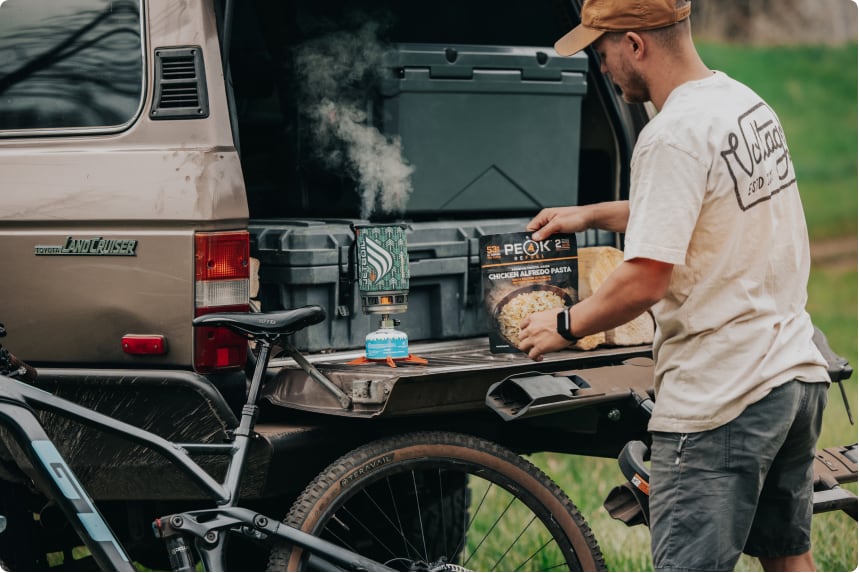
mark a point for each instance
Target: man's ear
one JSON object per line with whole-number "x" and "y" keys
{"x": 635, "y": 43}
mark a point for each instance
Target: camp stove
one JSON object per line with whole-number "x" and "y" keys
{"x": 382, "y": 261}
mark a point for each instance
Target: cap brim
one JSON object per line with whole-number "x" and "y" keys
{"x": 577, "y": 40}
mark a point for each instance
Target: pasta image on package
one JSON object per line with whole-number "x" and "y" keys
{"x": 522, "y": 276}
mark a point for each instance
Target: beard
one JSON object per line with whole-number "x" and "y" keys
{"x": 632, "y": 86}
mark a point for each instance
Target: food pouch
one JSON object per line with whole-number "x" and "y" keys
{"x": 522, "y": 276}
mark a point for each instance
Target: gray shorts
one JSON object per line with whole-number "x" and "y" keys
{"x": 743, "y": 487}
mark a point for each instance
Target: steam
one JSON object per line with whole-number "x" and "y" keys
{"x": 337, "y": 74}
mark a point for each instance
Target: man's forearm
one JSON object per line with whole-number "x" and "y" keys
{"x": 631, "y": 289}
{"x": 609, "y": 215}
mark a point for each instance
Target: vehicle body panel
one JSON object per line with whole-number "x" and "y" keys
{"x": 155, "y": 182}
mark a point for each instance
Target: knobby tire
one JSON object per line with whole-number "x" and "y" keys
{"x": 421, "y": 501}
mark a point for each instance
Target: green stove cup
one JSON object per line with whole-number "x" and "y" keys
{"x": 383, "y": 268}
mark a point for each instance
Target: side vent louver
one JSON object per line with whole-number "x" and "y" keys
{"x": 180, "y": 84}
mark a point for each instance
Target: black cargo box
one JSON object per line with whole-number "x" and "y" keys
{"x": 310, "y": 262}
{"x": 487, "y": 128}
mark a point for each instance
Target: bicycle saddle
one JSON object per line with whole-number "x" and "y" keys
{"x": 261, "y": 324}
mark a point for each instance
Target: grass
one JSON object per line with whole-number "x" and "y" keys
{"x": 833, "y": 307}
{"x": 813, "y": 90}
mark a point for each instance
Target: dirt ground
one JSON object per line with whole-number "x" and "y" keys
{"x": 835, "y": 253}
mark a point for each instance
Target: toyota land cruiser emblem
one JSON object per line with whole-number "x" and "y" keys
{"x": 94, "y": 247}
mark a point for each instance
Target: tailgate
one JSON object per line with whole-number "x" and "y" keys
{"x": 456, "y": 379}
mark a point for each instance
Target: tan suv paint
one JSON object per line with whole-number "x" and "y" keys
{"x": 155, "y": 182}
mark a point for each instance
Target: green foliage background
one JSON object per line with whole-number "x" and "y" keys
{"x": 813, "y": 91}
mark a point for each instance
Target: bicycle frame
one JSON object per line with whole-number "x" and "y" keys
{"x": 53, "y": 474}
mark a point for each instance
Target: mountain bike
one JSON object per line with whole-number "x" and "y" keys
{"x": 412, "y": 501}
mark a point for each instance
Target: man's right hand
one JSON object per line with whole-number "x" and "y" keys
{"x": 611, "y": 216}
{"x": 558, "y": 220}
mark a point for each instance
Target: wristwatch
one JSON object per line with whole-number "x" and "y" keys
{"x": 564, "y": 326}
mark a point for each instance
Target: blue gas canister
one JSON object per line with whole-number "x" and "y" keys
{"x": 387, "y": 341}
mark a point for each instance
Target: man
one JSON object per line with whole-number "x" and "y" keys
{"x": 716, "y": 244}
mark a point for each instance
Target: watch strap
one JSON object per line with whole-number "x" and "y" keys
{"x": 564, "y": 325}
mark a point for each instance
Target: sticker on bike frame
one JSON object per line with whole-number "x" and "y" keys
{"x": 71, "y": 489}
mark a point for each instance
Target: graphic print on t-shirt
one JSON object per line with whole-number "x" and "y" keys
{"x": 758, "y": 158}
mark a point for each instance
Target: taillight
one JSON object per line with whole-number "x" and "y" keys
{"x": 222, "y": 283}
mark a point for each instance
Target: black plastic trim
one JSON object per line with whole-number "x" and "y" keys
{"x": 180, "y": 84}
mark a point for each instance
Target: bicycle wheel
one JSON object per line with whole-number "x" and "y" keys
{"x": 445, "y": 502}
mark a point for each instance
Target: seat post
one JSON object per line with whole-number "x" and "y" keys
{"x": 259, "y": 370}
{"x": 245, "y": 430}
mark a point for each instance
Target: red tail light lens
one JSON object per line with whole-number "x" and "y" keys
{"x": 222, "y": 283}
{"x": 222, "y": 256}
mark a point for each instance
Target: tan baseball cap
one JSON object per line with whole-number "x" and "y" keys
{"x": 601, "y": 16}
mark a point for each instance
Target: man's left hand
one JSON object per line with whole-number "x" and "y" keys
{"x": 538, "y": 334}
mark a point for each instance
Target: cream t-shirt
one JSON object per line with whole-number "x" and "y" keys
{"x": 713, "y": 192}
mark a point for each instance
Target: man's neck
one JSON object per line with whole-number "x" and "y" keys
{"x": 678, "y": 72}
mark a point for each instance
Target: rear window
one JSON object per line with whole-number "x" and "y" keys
{"x": 69, "y": 64}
